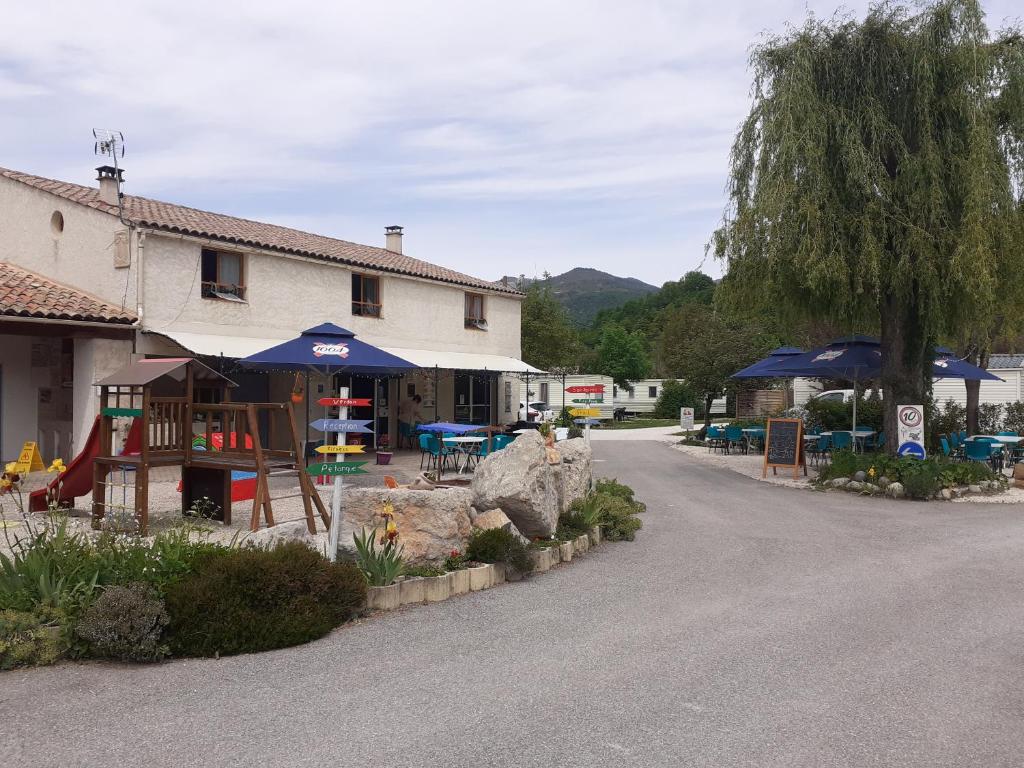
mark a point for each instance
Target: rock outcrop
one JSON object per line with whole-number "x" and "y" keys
{"x": 520, "y": 481}
{"x": 430, "y": 523}
{"x": 576, "y": 471}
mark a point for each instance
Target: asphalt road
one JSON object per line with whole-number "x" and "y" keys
{"x": 748, "y": 625}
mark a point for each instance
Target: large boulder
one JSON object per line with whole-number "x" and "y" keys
{"x": 576, "y": 471}
{"x": 430, "y": 523}
{"x": 520, "y": 481}
{"x": 496, "y": 518}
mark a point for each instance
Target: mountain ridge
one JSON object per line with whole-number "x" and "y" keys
{"x": 585, "y": 291}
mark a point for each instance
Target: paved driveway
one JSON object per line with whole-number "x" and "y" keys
{"x": 749, "y": 625}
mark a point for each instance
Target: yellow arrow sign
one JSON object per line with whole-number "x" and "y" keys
{"x": 584, "y": 412}
{"x": 340, "y": 448}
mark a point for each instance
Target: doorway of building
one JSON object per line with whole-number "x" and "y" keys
{"x": 473, "y": 398}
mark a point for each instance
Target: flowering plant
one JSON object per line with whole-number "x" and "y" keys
{"x": 380, "y": 566}
{"x": 455, "y": 561}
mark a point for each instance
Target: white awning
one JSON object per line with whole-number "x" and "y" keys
{"x": 462, "y": 361}
{"x": 217, "y": 345}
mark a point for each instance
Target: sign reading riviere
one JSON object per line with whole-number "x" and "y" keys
{"x": 783, "y": 445}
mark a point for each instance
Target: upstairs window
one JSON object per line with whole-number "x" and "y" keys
{"x": 475, "y": 312}
{"x": 223, "y": 275}
{"x": 652, "y": 392}
{"x": 366, "y": 296}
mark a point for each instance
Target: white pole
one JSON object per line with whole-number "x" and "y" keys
{"x": 339, "y": 483}
{"x": 854, "y": 433}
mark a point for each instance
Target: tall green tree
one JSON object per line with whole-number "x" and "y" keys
{"x": 621, "y": 355}
{"x": 704, "y": 348}
{"x": 875, "y": 181}
{"x": 549, "y": 339}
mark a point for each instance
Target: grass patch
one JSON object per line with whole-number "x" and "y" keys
{"x": 639, "y": 423}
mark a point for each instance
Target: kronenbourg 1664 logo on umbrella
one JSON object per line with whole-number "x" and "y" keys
{"x": 829, "y": 355}
{"x": 322, "y": 348}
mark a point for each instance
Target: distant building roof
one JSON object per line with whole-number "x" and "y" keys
{"x": 230, "y": 229}
{"x": 26, "y": 294}
{"x": 1006, "y": 361}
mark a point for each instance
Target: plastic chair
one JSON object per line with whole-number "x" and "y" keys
{"x": 963, "y": 435}
{"x": 390, "y": 482}
{"x": 842, "y": 441}
{"x": 734, "y": 436}
{"x": 501, "y": 441}
{"x": 1008, "y": 433}
{"x": 944, "y": 443}
{"x": 424, "y": 440}
{"x": 880, "y": 441}
{"x": 978, "y": 450}
{"x": 818, "y": 449}
{"x": 715, "y": 439}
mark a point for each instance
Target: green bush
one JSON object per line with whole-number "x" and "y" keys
{"x": 496, "y": 545}
{"x": 1013, "y": 418}
{"x": 55, "y": 568}
{"x": 619, "y": 520}
{"x": 949, "y": 418}
{"x": 674, "y": 395}
{"x": 920, "y": 481}
{"x": 918, "y": 477}
{"x": 30, "y": 638}
{"x": 611, "y": 487}
{"x": 250, "y": 600}
{"x": 990, "y": 418}
{"x": 570, "y": 526}
{"x": 125, "y": 623}
{"x": 828, "y": 415}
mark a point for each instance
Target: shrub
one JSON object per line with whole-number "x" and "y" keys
{"x": 380, "y": 566}
{"x": 615, "y": 488}
{"x": 570, "y": 526}
{"x": 951, "y": 417}
{"x": 574, "y": 431}
{"x": 1014, "y": 417}
{"x": 920, "y": 481}
{"x": 496, "y": 545}
{"x": 30, "y": 638}
{"x": 426, "y": 571}
{"x": 587, "y": 511}
{"x": 990, "y": 417}
{"x": 249, "y": 600}
{"x": 456, "y": 561}
{"x": 125, "y": 623}
{"x": 674, "y": 395}
{"x": 619, "y": 520}
{"x": 54, "y": 568}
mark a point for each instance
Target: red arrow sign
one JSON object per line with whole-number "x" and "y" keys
{"x": 344, "y": 402}
{"x": 588, "y": 388}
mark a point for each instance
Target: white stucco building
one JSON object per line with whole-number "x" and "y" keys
{"x": 191, "y": 282}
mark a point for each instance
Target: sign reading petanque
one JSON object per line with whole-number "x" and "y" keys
{"x": 337, "y": 468}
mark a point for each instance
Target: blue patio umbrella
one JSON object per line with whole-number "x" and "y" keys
{"x": 330, "y": 349}
{"x": 756, "y": 370}
{"x": 860, "y": 357}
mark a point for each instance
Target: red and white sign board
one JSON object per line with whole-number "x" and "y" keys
{"x": 593, "y": 388}
{"x": 344, "y": 402}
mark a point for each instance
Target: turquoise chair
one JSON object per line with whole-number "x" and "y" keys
{"x": 963, "y": 435}
{"x": 842, "y": 441}
{"x": 978, "y": 450}
{"x": 880, "y": 441}
{"x": 501, "y": 441}
{"x": 425, "y": 452}
{"x": 819, "y": 449}
{"x": 715, "y": 439}
{"x": 1007, "y": 433}
{"x": 734, "y": 436}
{"x": 944, "y": 443}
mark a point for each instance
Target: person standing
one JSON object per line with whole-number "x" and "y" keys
{"x": 408, "y": 418}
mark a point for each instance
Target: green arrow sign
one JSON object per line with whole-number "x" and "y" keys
{"x": 337, "y": 468}
{"x": 583, "y": 400}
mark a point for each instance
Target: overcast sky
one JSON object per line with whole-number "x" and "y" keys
{"x": 506, "y": 137}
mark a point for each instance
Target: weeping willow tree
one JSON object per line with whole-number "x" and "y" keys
{"x": 876, "y": 183}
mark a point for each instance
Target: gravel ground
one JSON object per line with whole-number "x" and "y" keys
{"x": 748, "y": 625}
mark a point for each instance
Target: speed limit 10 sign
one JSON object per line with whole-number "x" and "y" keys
{"x": 910, "y": 425}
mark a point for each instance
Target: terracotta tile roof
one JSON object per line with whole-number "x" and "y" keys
{"x": 179, "y": 218}
{"x": 26, "y": 294}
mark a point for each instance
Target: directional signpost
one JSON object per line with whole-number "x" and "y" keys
{"x": 587, "y": 416}
{"x": 339, "y": 468}
{"x": 340, "y": 449}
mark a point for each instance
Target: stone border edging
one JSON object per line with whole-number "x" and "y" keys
{"x": 419, "y": 590}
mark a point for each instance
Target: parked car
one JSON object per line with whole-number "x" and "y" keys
{"x": 528, "y": 415}
{"x": 840, "y": 395}
{"x": 547, "y": 413}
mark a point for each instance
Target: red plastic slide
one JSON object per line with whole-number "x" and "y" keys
{"x": 76, "y": 480}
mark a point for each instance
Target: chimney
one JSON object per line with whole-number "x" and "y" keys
{"x": 110, "y": 179}
{"x": 393, "y": 239}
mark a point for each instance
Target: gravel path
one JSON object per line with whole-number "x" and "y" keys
{"x": 748, "y": 625}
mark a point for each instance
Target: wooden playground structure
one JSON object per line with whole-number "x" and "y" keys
{"x": 164, "y": 395}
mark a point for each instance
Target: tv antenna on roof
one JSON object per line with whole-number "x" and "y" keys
{"x": 110, "y": 143}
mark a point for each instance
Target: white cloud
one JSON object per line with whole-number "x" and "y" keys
{"x": 527, "y": 114}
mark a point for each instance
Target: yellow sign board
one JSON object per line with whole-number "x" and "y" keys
{"x": 340, "y": 448}
{"x": 585, "y": 412}
{"x": 29, "y": 459}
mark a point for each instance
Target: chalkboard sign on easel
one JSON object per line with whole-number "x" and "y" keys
{"x": 784, "y": 446}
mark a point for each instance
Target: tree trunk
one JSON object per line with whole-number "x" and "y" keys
{"x": 978, "y": 357}
{"x": 708, "y": 399}
{"x": 906, "y": 362}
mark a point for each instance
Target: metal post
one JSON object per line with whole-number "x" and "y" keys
{"x": 339, "y": 484}
{"x": 436, "y": 399}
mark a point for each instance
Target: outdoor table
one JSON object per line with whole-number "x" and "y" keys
{"x": 466, "y": 445}
{"x": 1005, "y": 439}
